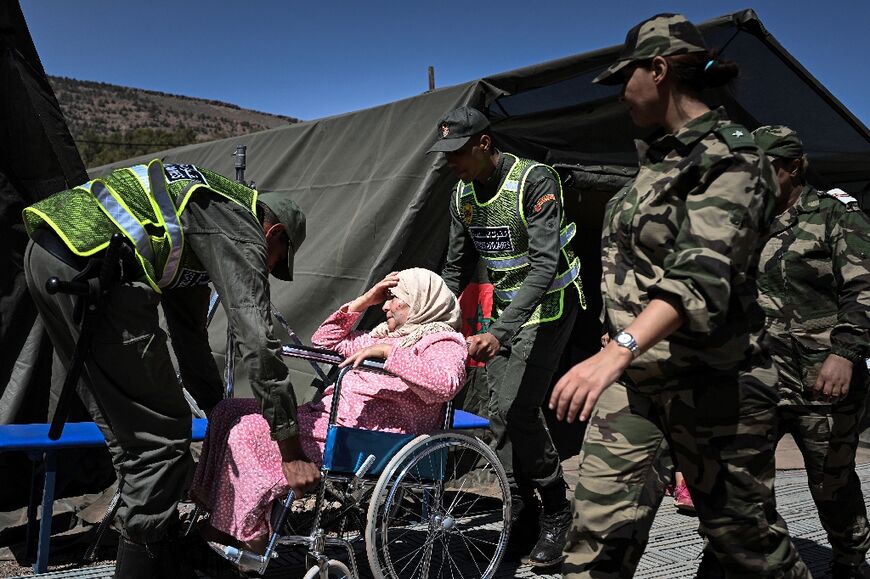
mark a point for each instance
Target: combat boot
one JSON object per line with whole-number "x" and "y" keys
{"x": 525, "y": 511}
{"x": 134, "y": 561}
{"x": 846, "y": 571}
{"x": 554, "y": 522}
{"x": 166, "y": 558}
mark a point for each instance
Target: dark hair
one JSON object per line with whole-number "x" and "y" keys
{"x": 803, "y": 167}
{"x": 697, "y": 71}
{"x": 265, "y": 215}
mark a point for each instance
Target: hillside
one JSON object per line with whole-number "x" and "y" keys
{"x": 110, "y": 123}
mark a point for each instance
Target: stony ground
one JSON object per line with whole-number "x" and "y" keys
{"x": 673, "y": 550}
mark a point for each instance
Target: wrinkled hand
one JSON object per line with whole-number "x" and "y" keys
{"x": 377, "y": 294}
{"x": 357, "y": 358}
{"x": 301, "y": 475}
{"x": 834, "y": 378}
{"x": 482, "y": 347}
{"x": 578, "y": 390}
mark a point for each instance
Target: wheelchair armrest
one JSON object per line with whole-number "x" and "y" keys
{"x": 324, "y": 356}
{"x": 321, "y": 355}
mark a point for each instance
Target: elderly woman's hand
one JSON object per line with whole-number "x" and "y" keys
{"x": 357, "y": 358}
{"x": 378, "y": 294}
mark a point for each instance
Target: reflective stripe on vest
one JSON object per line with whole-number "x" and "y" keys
{"x": 133, "y": 229}
{"x": 122, "y": 217}
{"x": 507, "y": 263}
{"x": 559, "y": 283}
{"x": 169, "y": 215}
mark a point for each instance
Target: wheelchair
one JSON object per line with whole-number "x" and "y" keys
{"x": 425, "y": 506}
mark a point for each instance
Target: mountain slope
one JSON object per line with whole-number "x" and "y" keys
{"x": 110, "y": 123}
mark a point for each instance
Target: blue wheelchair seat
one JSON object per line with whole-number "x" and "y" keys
{"x": 347, "y": 448}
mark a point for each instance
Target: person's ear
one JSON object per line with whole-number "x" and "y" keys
{"x": 795, "y": 168}
{"x": 273, "y": 230}
{"x": 660, "y": 68}
{"x": 485, "y": 143}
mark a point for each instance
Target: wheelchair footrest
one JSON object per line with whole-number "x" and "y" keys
{"x": 242, "y": 558}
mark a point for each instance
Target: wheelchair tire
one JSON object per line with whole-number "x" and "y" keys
{"x": 334, "y": 570}
{"x": 423, "y": 525}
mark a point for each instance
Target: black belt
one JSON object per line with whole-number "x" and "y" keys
{"x": 49, "y": 240}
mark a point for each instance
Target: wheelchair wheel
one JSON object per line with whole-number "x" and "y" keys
{"x": 441, "y": 508}
{"x": 334, "y": 570}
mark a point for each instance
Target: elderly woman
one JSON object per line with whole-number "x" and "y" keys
{"x": 684, "y": 367}
{"x": 239, "y": 474}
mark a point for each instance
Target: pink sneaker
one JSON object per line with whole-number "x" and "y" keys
{"x": 682, "y": 499}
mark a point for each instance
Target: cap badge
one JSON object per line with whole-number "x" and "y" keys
{"x": 445, "y": 130}
{"x": 737, "y": 134}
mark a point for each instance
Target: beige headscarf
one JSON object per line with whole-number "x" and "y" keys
{"x": 433, "y": 307}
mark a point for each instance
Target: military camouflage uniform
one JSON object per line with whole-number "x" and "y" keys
{"x": 814, "y": 285}
{"x": 687, "y": 229}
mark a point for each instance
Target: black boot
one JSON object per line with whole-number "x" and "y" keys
{"x": 845, "y": 571}
{"x": 163, "y": 559}
{"x": 555, "y": 522}
{"x": 134, "y": 561}
{"x": 525, "y": 510}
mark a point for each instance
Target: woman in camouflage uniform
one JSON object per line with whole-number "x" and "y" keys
{"x": 680, "y": 251}
{"x": 814, "y": 286}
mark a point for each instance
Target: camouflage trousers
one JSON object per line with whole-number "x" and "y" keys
{"x": 827, "y": 437}
{"x": 723, "y": 439}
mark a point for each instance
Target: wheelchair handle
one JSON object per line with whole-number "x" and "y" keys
{"x": 324, "y": 356}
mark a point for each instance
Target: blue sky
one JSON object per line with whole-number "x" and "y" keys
{"x": 320, "y": 58}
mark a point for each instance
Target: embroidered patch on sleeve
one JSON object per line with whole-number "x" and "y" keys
{"x": 539, "y": 204}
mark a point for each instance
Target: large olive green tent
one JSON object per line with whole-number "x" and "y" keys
{"x": 376, "y": 202}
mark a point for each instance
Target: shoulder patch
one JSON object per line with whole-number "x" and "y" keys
{"x": 842, "y": 197}
{"x": 511, "y": 185}
{"x": 737, "y": 137}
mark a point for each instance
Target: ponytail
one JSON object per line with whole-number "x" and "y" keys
{"x": 697, "y": 71}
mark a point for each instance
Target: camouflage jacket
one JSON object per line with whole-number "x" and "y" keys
{"x": 814, "y": 286}
{"x": 689, "y": 227}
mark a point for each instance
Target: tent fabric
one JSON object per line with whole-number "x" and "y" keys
{"x": 376, "y": 202}
{"x": 37, "y": 158}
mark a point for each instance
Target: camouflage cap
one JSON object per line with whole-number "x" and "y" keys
{"x": 661, "y": 35}
{"x": 778, "y": 141}
{"x": 293, "y": 219}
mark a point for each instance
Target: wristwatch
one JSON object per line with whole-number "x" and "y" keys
{"x": 626, "y": 340}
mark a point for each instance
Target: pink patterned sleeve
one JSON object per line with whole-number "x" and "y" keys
{"x": 434, "y": 367}
{"x": 334, "y": 333}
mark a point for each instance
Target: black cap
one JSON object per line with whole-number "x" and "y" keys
{"x": 457, "y": 127}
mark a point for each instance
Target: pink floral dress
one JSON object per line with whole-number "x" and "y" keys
{"x": 239, "y": 473}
